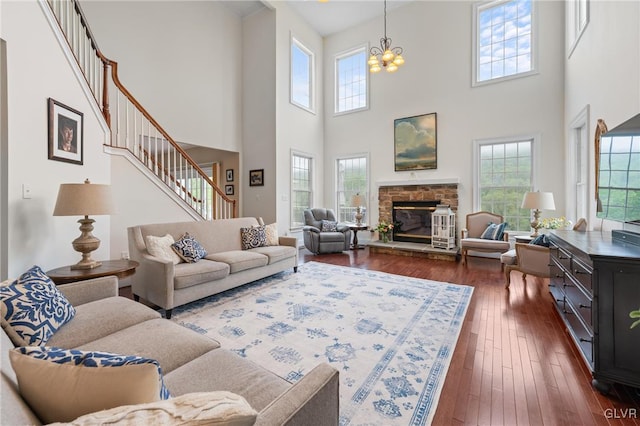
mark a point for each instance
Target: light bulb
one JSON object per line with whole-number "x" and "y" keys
{"x": 399, "y": 60}
{"x": 375, "y": 68}
{"x": 392, "y": 67}
{"x": 373, "y": 59}
{"x": 388, "y": 56}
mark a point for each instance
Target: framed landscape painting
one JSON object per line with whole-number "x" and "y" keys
{"x": 415, "y": 143}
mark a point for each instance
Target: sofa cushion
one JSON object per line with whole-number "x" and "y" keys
{"x": 160, "y": 339}
{"x": 494, "y": 231}
{"x": 482, "y": 244}
{"x": 271, "y": 232}
{"x": 509, "y": 257}
{"x": 240, "y": 260}
{"x": 189, "y": 274}
{"x": 34, "y": 307}
{"x": 100, "y": 318}
{"x": 60, "y": 384}
{"x": 189, "y": 249}
{"x": 252, "y": 237}
{"x": 161, "y": 247}
{"x": 211, "y": 408}
{"x": 276, "y": 253}
{"x": 331, "y": 237}
{"x": 329, "y": 226}
{"x": 232, "y": 373}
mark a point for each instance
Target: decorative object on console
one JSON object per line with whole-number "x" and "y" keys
{"x": 537, "y": 201}
{"x": 65, "y": 133}
{"x": 84, "y": 199}
{"x": 357, "y": 203}
{"x": 415, "y": 142}
{"x": 391, "y": 57}
{"x": 443, "y": 227}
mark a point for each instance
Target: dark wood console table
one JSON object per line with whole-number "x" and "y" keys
{"x": 119, "y": 268}
{"x": 595, "y": 282}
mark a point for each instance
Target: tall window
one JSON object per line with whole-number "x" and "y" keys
{"x": 351, "y": 81}
{"x": 505, "y": 174}
{"x": 577, "y": 18}
{"x": 504, "y": 40}
{"x": 301, "y": 75}
{"x": 351, "y": 179}
{"x": 301, "y": 187}
{"x": 619, "y": 184}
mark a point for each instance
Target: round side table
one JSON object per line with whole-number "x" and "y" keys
{"x": 119, "y": 268}
{"x": 355, "y": 228}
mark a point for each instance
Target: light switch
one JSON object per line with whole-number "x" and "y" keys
{"x": 26, "y": 191}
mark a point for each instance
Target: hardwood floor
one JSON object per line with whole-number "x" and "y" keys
{"x": 514, "y": 363}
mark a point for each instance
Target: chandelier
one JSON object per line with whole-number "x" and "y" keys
{"x": 390, "y": 57}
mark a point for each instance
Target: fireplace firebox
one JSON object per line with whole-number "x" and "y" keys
{"x": 413, "y": 220}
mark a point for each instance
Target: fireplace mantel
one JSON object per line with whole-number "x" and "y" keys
{"x": 409, "y": 182}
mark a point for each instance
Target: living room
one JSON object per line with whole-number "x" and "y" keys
{"x": 229, "y": 90}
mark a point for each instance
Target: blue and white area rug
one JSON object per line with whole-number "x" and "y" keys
{"x": 391, "y": 337}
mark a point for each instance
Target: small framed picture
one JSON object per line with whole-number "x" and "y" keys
{"x": 228, "y": 189}
{"x": 65, "y": 133}
{"x": 229, "y": 175}
{"x": 256, "y": 177}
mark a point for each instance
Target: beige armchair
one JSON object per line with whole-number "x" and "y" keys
{"x": 529, "y": 259}
{"x": 470, "y": 238}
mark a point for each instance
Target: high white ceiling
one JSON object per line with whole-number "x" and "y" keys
{"x": 327, "y": 17}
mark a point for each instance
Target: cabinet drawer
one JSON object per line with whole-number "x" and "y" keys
{"x": 582, "y": 336}
{"x": 562, "y": 257}
{"x": 580, "y": 302}
{"x": 556, "y": 282}
{"x": 582, "y": 273}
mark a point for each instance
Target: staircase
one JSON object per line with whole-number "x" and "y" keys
{"x": 133, "y": 129}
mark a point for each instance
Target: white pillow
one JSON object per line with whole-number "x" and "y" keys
{"x": 199, "y": 408}
{"x": 160, "y": 247}
{"x": 271, "y": 232}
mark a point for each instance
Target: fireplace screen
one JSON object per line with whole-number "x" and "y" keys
{"x": 413, "y": 221}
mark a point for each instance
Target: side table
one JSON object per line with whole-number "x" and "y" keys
{"x": 120, "y": 268}
{"x": 355, "y": 228}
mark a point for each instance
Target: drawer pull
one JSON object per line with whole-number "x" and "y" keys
{"x": 582, "y": 339}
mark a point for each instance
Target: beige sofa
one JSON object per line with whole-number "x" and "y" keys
{"x": 190, "y": 362}
{"x": 226, "y": 265}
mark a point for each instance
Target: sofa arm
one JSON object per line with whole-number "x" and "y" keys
{"x": 314, "y": 400}
{"x": 153, "y": 281}
{"x": 310, "y": 228}
{"x": 464, "y": 233}
{"x": 81, "y": 292}
{"x": 288, "y": 241}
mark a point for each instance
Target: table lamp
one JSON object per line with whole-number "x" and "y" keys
{"x": 357, "y": 203}
{"x": 84, "y": 199}
{"x": 537, "y": 201}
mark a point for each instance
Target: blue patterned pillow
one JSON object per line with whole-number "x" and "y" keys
{"x": 494, "y": 231}
{"x": 34, "y": 307}
{"x": 253, "y": 237}
{"x": 541, "y": 240}
{"x": 189, "y": 249}
{"x": 329, "y": 226}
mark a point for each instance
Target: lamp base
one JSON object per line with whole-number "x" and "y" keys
{"x": 86, "y": 265}
{"x": 85, "y": 244}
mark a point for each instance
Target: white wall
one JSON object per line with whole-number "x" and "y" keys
{"x": 437, "y": 40}
{"x": 36, "y": 70}
{"x": 181, "y": 60}
{"x": 603, "y": 72}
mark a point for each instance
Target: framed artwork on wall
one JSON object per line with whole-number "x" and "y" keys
{"x": 256, "y": 177}
{"x": 228, "y": 189}
{"x": 415, "y": 143}
{"x": 229, "y": 175}
{"x": 65, "y": 133}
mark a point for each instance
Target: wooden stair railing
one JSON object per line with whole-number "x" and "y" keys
{"x": 132, "y": 127}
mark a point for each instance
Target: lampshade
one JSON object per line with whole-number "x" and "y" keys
{"x": 83, "y": 199}
{"x": 538, "y": 201}
{"x": 356, "y": 201}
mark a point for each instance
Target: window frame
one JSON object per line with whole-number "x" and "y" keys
{"x": 534, "y": 139}
{"x": 293, "y": 225}
{"x": 477, "y": 9}
{"x": 575, "y": 26}
{"x": 363, "y": 192}
{"x": 295, "y": 42}
{"x": 364, "y": 48}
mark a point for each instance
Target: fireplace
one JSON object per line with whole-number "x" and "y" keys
{"x": 413, "y": 220}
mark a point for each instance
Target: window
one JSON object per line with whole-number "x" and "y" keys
{"x": 576, "y": 21}
{"x": 504, "y": 175}
{"x": 503, "y": 45}
{"x": 352, "y": 79}
{"x": 301, "y": 188}
{"x": 619, "y": 183}
{"x": 301, "y": 75}
{"x": 351, "y": 179}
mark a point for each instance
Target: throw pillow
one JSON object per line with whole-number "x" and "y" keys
{"x": 63, "y": 384}
{"x": 160, "y": 247}
{"x": 271, "y": 232}
{"x": 34, "y": 308}
{"x": 494, "y": 231}
{"x": 211, "y": 408}
{"x": 541, "y": 240}
{"x": 253, "y": 237}
{"x": 329, "y": 226}
{"x": 189, "y": 249}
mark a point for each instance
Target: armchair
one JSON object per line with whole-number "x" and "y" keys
{"x": 471, "y": 236}
{"x": 529, "y": 259}
{"x": 317, "y": 240}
